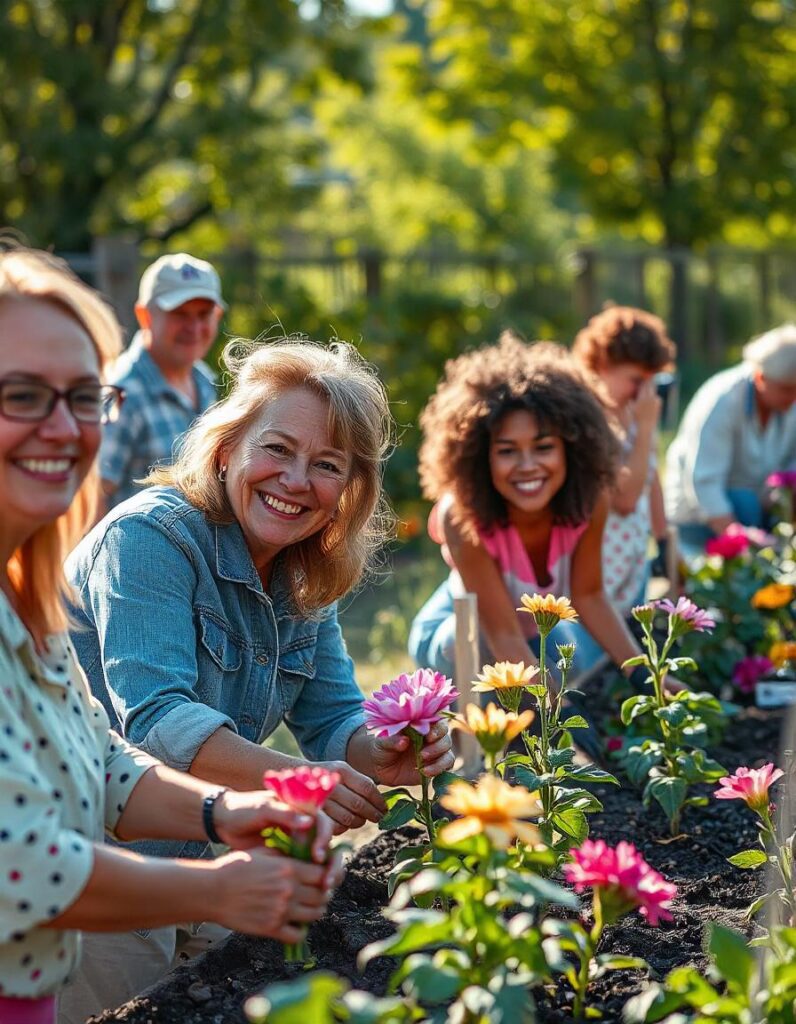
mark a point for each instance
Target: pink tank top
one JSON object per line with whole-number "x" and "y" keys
{"x": 507, "y": 549}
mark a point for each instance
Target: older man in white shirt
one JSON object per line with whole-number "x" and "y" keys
{"x": 739, "y": 428}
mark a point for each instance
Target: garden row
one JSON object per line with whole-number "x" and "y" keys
{"x": 501, "y": 908}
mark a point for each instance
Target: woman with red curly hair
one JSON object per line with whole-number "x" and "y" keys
{"x": 519, "y": 458}
{"x": 621, "y": 350}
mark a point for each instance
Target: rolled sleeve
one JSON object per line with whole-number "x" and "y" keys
{"x": 149, "y": 662}
{"x": 124, "y": 766}
{"x": 712, "y": 458}
{"x": 329, "y": 710}
{"x": 45, "y": 866}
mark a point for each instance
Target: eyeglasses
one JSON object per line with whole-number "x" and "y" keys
{"x": 30, "y": 401}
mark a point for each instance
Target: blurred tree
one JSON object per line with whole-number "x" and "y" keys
{"x": 150, "y": 115}
{"x": 674, "y": 120}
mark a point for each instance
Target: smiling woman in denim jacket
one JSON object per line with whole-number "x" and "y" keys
{"x": 207, "y": 603}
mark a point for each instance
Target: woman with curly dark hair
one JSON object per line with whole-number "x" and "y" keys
{"x": 519, "y": 458}
{"x": 621, "y": 349}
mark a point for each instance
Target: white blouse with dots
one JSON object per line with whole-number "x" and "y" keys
{"x": 64, "y": 778}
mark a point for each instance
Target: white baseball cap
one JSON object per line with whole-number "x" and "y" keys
{"x": 178, "y": 278}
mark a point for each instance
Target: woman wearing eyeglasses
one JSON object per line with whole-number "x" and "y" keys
{"x": 64, "y": 775}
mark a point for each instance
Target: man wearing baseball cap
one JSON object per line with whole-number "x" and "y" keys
{"x": 166, "y": 383}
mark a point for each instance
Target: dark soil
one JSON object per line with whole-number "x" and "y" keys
{"x": 211, "y": 989}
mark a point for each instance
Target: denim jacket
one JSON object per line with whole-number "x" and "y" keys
{"x": 178, "y": 638}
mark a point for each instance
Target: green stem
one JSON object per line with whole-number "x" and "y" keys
{"x": 586, "y": 956}
{"x": 425, "y": 802}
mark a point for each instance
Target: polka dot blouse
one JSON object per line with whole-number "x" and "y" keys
{"x": 64, "y": 778}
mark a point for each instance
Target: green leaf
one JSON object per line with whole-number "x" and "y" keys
{"x": 637, "y": 659}
{"x": 575, "y": 722}
{"x": 428, "y": 982}
{"x": 748, "y": 859}
{"x": 732, "y": 956}
{"x": 639, "y": 761}
{"x": 638, "y": 704}
{"x": 308, "y": 997}
{"x": 561, "y": 757}
{"x": 590, "y": 773}
{"x": 525, "y": 777}
{"x": 669, "y": 792}
{"x": 572, "y": 823}
{"x": 537, "y": 690}
{"x": 757, "y": 905}
{"x": 401, "y": 813}
{"x": 674, "y": 715}
{"x": 441, "y": 783}
{"x": 423, "y": 932}
{"x": 613, "y": 962}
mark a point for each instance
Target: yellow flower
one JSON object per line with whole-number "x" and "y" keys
{"x": 493, "y": 727}
{"x": 782, "y": 652}
{"x": 507, "y": 679}
{"x": 775, "y": 595}
{"x": 505, "y": 675}
{"x": 493, "y": 807}
{"x": 548, "y": 610}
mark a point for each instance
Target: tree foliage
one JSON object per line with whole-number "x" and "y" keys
{"x": 674, "y": 119}
{"x": 149, "y": 115}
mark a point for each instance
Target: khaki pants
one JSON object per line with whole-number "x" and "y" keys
{"x": 115, "y": 967}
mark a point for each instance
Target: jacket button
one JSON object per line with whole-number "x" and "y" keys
{"x": 261, "y": 659}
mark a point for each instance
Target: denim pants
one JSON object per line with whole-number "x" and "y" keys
{"x": 432, "y": 640}
{"x": 747, "y": 509}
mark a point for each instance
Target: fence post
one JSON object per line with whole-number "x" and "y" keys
{"x": 371, "y": 263}
{"x": 116, "y": 262}
{"x": 467, "y": 667}
{"x": 585, "y": 290}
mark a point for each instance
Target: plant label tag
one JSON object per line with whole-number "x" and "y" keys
{"x": 775, "y": 694}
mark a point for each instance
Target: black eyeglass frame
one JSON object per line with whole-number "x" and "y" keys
{"x": 110, "y": 395}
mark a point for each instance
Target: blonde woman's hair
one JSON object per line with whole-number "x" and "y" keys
{"x": 36, "y": 568}
{"x": 325, "y": 566}
{"x": 774, "y": 353}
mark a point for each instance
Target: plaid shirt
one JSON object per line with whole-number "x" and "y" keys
{"x": 154, "y": 416}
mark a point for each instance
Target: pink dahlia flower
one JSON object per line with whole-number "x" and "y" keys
{"x": 304, "y": 788}
{"x": 752, "y": 533}
{"x": 748, "y": 670}
{"x": 750, "y": 785}
{"x": 727, "y": 545}
{"x": 786, "y": 478}
{"x": 623, "y": 875}
{"x": 413, "y": 701}
{"x": 689, "y": 615}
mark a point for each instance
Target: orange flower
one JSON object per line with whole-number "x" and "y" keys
{"x": 507, "y": 679}
{"x": 775, "y": 595}
{"x": 547, "y": 610}
{"x": 505, "y": 675}
{"x": 491, "y": 807}
{"x": 782, "y": 652}
{"x": 493, "y": 727}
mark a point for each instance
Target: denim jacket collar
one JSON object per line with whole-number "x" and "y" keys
{"x": 234, "y": 563}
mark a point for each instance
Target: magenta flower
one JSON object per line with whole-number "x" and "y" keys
{"x": 753, "y": 534}
{"x": 304, "y": 788}
{"x": 750, "y": 785}
{"x": 413, "y": 701}
{"x": 687, "y": 614}
{"x": 786, "y": 479}
{"x": 623, "y": 878}
{"x": 727, "y": 545}
{"x": 748, "y": 670}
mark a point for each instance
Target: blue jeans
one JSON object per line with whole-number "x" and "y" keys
{"x": 747, "y": 509}
{"x": 432, "y": 639}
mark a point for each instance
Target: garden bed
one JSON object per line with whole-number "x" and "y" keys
{"x": 212, "y": 989}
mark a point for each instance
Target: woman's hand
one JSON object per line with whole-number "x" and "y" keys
{"x": 239, "y": 819}
{"x": 354, "y": 800}
{"x": 647, "y": 406}
{"x": 394, "y": 758}
{"x": 260, "y": 892}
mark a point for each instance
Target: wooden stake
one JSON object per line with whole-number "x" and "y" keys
{"x": 467, "y": 667}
